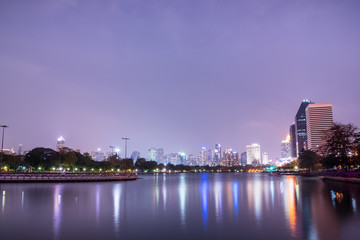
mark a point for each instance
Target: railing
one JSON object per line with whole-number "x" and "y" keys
{"x": 65, "y": 177}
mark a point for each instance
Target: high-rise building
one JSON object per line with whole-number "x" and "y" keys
{"x": 60, "y": 143}
{"x": 203, "y": 156}
{"x": 253, "y": 154}
{"x": 234, "y": 159}
{"x": 227, "y": 158}
{"x": 265, "y": 159}
{"x": 152, "y": 154}
{"x": 300, "y": 127}
{"x": 20, "y": 151}
{"x": 319, "y": 118}
{"x": 182, "y": 158}
{"x": 292, "y": 132}
{"x": 160, "y": 155}
{"x": 217, "y": 154}
{"x": 209, "y": 158}
{"x": 285, "y": 149}
{"x": 243, "y": 161}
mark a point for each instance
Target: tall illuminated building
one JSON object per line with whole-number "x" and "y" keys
{"x": 253, "y": 154}
{"x": 243, "y": 160}
{"x": 300, "y": 127}
{"x": 234, "y": 159}
{"x": 265, "y": 158}
{"x": 217, "y": 154}
{"x": 203, "y": 156}
{"x": 152, "y": 154}
{"x": 227, "y": 159}
{"x": 285, "y": 149}
{"x": 319, "y": 118}
{"x": 292, "y": 132}
{"x": 60, "y": 143}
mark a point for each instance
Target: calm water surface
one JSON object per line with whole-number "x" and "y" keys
{"x": 179, "y": 206}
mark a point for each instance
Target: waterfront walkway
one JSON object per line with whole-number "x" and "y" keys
{"x": 65, "y": 177}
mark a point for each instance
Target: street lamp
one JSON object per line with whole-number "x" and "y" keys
{"x": 126, "y": 139}
{"x": 2, "y": 145}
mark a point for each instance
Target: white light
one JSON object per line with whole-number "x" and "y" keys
{"x": 117, "y": 150}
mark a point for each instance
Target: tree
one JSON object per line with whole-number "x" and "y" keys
{"x": 308, "y": 159}
{"x": 341, "y": 145}
{"x": 70, "y": 159}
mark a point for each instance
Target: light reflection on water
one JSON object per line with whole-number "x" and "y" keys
{"x": 211, "y": 206}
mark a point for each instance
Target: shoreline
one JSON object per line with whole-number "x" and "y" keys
{"x": 64, "y": 177}
{"x": 342, "y": 179}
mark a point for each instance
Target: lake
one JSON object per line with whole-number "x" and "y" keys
{"x": 183, "y": 206}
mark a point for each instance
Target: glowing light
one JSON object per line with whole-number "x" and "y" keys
{"x": 61, "y": 139}
{"x": 117, "y": 150}
{"x": 99, "y": 149}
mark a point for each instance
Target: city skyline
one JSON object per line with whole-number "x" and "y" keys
{"x": 166, "y": 76}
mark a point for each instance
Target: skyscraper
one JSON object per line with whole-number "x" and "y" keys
{"x": 217, "y": 154}
{"x": 253, "y": 154}
{"x": 152, "y": 154}
{"x": 319, "y": 118}
{"x": 300, "y": 127}
{"x": 285, "y": 149}
{"x": 227, "y": 157}
{"x": 234, "y": 159}
{"x": 60, "y": 143}
{"x": 265, "y": 158}
{"x": 243, "y": 161}
{"x": 293, "y": 152}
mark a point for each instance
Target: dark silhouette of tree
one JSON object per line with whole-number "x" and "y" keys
{"x": 308, "y": 159}
{"x": 341, "y": 145}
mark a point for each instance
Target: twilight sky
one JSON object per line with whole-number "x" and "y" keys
{"x": 173, "y": 74}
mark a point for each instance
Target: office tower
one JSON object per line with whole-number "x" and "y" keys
{"x": 292, "y": 141}
{"x": 285, "y": 149}
{"x": 160, "y": 155}
{"x": 227, "y": 157}
{"x": 319, "y": 118}
{"x": 253, "y": 154}
{"x": 243, "y": 160}
{"x": 203, "y": 156}
{"x": 182, "y": 158}
{"x": 265, "y": 158}
{"x": 152, "y": 154}
{"x": 20, "y": 151}
{"x": 234, "y": 159}
{"x": 300, "y": 127}
{"x": 60, "y": 143}
{"x": 209, "y": 157}
{"x": 217, "y": 154}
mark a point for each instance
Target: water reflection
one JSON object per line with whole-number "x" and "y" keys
{"x": 57, "y": 210}
{"x": 203, "y": 206}
{"x": 182, "y": 196}
{"x": 204, "y": 199}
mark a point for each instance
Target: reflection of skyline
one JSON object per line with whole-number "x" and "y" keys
{"x": 208, "y": 203}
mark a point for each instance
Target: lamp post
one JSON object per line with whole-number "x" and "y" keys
{"x": 2, "y": 145}
{"x": 126, "y": 139}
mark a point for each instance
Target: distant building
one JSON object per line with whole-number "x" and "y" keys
{"x": 152, "y": 154}
{"x": 20, "y": 150}
{"x": 285, "y": 150}
{"x": 243, "y": 160}
{"x": 234, "y": 159}
{"x": 253, "y": 154}
{"x": 203, "y": 156}
{"x": 135, "y": 156}
{"x": 300, "y": 127}
{"x": 160, "y": 155}
{"x": 265, "y": 159}
{"x": 97, "y": 156}
{"x": 319, "y": 118}
{"x": 60, "y": 143}
{"x": 292, "y": 132}
{"x": 227, "y": 158}
{"x": 182, "y": 158}
{"x": 217, "y": 154}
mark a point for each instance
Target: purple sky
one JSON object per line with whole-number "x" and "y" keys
{"x": 173, "y": 74}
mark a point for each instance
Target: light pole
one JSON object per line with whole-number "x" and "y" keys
{"x": 2, "y": 145}
{"x": 126, "y": 139}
